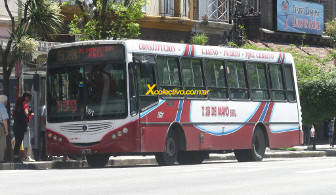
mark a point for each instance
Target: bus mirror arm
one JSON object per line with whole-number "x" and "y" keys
{"x": 144, "y": 67}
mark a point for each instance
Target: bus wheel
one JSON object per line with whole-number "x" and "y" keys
{"x": 185, "y": 158}
{"x": 97, "y": 160}
{"x": 258, "y": 148}
{"x": 168, "y": 157}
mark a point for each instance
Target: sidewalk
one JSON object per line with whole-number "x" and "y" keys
{"x": 322, "y": 149}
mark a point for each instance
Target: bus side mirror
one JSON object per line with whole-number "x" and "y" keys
{"x": 144, "y": 69}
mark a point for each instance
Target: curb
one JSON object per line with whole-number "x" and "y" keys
{"x": 150, "y": 160}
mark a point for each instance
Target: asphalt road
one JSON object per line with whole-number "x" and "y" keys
{"x": 272, "y": 176}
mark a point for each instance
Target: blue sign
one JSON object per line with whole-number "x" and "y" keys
{"x": 300, "y": 17}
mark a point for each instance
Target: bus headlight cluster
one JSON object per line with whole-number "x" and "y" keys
{"x": 119, "y": 133}
{"x": 54, "y": 137}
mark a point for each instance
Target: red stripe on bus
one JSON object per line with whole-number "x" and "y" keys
{"x": 186, "y": 51}
{"x": 192, "y": 50}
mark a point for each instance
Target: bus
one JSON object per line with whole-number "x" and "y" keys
{"x": 179, "y": 102}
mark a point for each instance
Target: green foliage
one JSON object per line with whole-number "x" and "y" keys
{"x": 111, "y": 20}
{"x": 318, "y": 100}
{"x": 45, "y": 18}
{"x": 199, "y": 39}
{"x": 331, "y": 30}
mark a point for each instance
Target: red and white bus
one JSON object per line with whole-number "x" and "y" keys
{"x": 97, "y": 103}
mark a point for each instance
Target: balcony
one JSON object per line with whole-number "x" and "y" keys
{"x": 214, "y": 10}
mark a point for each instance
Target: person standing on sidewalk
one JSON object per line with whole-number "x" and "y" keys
{"x": 29, "y": 114}
{"x": 20, "y": 127}
{"x": 306, "y": 135}
{"x": 3, "y": 126}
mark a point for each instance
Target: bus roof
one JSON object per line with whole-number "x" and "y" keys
{"x": 188, "y": 50}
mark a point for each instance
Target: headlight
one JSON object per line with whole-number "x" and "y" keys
{"x": 119, "y": 133}
{"x": 55, "y": 137}
{"x": 125, "y": 130}
{"x": 113, "y": 136}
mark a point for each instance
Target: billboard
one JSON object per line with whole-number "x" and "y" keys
{"x": 300, "y": 17}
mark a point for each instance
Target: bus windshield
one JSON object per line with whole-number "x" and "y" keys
{"x": 86, "y": 92}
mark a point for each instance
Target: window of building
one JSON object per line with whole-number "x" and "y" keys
{"x": 167, "y": 7}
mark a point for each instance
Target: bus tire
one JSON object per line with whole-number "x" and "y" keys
{"x": 258, "y": 148}
{"x": 97, "y": 160}
{"x": 169, "y": 156}
{"x": 189, "y": 158}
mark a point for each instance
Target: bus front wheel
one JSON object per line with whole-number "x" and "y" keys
{"x": 97, "y": 160}
{"x": 258, "y": 148}
{"x": 169, "y": 156}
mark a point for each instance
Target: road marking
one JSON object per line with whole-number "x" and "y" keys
{"x": 317, "y": 170}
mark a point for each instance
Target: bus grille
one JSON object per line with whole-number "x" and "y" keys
{"x": 86, "y": 127}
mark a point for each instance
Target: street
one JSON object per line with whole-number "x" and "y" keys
{"x": 272, "y": 176}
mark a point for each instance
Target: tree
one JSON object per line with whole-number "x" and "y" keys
{"x": 107, "y": 20}
{"x": 40, "y": 19}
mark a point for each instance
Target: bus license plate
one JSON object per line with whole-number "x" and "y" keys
{"x": 86, "y": 151}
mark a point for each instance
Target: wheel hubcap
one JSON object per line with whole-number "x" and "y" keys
{"x": 170, "y": 148}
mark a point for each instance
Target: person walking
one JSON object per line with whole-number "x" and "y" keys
{"x": 20, "y": 127}
{"x": 29, "y": 114}
{"x": 3, "y": 126}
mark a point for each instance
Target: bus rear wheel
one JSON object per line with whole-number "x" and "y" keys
{"x": 169, "y": 156}
{"x": 97, "y": 160}
{"x": 188, "y": 158}
{"x": 258, "y": 148}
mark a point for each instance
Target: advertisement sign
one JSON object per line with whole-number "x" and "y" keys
{"x": 300, "y": 17}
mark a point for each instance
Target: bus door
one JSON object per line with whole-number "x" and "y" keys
{"x": 145, "y": 76}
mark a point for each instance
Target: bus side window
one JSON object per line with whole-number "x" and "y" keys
{"x": 168, "y": 73}
{"x": 215, "y": 79}
{"x": 192, "y": 76}
{"x": 146, "y": 101}
{"x": 237, "y": 80}
{"x": 290, "y": 83}
{"x": 257, "y": 80}
{"x": 277, "y": 86}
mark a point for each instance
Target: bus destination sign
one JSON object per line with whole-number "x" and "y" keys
{"x": 86, "y": 53}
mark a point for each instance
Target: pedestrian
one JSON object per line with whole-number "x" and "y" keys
{"x": 20, "y": 127}
{"x": 312, "y": 135}
{"x": 29, "y": 114}
{"x": 3, "y": 126}
{"x": 306, "y": 135}
{"x": 330, "y": 131}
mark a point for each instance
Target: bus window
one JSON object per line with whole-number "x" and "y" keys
{"x": 289, "y": 83}
{"x": 257, "y": 80}
{"x": 146, "y": 101}
{"x": 215, "y": 79}
{"x": 237, "y": 80}
{"x": 192, "y": 76}
{"x": 277, "y": 88}
{"x": 168, "y": 73}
